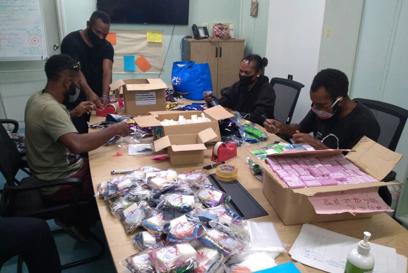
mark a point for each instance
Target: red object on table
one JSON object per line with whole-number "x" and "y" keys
{"x": 224, "y": 151}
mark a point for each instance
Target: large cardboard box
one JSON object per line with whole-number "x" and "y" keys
{"x": 214, "y": 114}
{"x": 293, "y": 205}
{"x": 185, "y": 149}
{"x": 142, "y": 95}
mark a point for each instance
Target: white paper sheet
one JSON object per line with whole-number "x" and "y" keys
{"x": 327, "y": 250}
{"x": 264, "y": 237}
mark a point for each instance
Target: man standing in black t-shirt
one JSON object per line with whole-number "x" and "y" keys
{"x": 95, "y": 54}
{"x": 335, "y": 120}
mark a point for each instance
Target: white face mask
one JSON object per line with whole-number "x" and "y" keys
{"x": 324, "y": 114}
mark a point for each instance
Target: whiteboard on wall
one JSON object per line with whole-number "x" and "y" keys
{"x": 22, "y": 35}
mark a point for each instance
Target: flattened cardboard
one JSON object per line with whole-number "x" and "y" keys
{"x": 293, "y": 205}
{"x": 141, "y": 95}
{"x": 214, "y": 114}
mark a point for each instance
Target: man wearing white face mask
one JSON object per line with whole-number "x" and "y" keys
{"x": 335, "y": 120}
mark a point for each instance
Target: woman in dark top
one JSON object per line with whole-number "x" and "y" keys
{"x": 252, "y": 95}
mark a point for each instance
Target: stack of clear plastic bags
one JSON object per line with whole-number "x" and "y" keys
{"x": 183, "y": 229}
{"x": 178, "y": 202}
{"x": 208, "y": 260}
{"x": 144, "y": 240}
{"x": 155, "y": 224}
{"x": 210, "y": 197}
{"x": 139, "y": 263}
{"x": 133, "y": 216}
{"x": 176, "y": 258}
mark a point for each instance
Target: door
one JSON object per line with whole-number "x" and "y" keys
{"x": 230, "y": 56}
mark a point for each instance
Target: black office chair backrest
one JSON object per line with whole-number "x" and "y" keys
{"x": 391, "y": 119}
{"x": 10, "y": 159}
{"x": 287, "y": 93}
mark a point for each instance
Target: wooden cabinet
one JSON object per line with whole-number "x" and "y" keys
{"x": 223, "y": 57}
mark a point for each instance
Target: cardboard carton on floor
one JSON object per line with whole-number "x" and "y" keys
{"x": 185, "y": 149}
{"x": 214, "y": 114}
{"x": 293, "y": 205}
{"x": 142, "y": 96}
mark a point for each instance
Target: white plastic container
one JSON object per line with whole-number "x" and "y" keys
{"x": 360, "y": 260}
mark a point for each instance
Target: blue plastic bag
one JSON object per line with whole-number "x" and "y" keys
{"x": 191, "y": 79}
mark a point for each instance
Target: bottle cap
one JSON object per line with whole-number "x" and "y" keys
{"x": 364, "y": 246}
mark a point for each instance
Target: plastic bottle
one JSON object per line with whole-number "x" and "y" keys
{"x": 360, "y": 260}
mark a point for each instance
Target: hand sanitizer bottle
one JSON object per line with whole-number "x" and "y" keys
{"x": 360, "y": 260}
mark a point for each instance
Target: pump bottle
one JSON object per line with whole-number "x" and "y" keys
{"x": 360, "y": 260}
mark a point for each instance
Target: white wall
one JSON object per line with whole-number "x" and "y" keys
{"x": 18, "y": 80}
{"x": 381, "y": 71}
{"x": 293, "y": 44}
{"x": 339, "y": 41}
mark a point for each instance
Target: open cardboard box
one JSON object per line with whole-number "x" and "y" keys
{"x": 185, "y": 149}
{"x": 293, "y": 205}
{"x": 141, "y": 96}
{"x": 215, "y": 114}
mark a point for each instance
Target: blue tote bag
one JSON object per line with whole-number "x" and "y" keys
{"x": 191, "y": 79}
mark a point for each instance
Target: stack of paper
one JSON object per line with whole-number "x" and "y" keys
{"x": 327, "y": 250}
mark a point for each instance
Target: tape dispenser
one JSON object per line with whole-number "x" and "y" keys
{"x": 224, "y": 151}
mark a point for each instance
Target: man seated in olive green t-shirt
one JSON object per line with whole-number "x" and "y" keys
{"x": 53, "y": 144}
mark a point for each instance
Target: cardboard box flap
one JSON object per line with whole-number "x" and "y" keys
{"x": 188, "y": 147}
{"x": 162, "y": 143}
{"x": 153, "y": 84}
{"x": 218, "y": 113}
{"x": 116, "y": 84}
{"x": 207, "y": 135}
{"x": 325, "y": 152}
{"x": 147, "y": 121}
{"x": 336, "y": 188}
{"x": 373, "y": 158}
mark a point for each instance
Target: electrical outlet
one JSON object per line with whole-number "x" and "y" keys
{"x": 254, "y": 8}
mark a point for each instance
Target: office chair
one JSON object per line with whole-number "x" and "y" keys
{"x": 287, "y": 93}
{"x": 12, "y": 126}
{"x": 23, "y": 198}
{"x": 391, "y": 119}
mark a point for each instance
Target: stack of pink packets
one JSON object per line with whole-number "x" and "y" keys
{"x": 301, "y": 172}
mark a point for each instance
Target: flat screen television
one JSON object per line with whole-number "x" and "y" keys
{"x": 162, "y": 12}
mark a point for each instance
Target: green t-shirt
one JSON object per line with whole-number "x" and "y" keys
{"x": 46, "y": 120}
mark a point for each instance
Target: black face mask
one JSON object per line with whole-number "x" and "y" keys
{"x": 95, "y": 40}
{"x": 245, "y": 80}
{"x": 71, "y": 95}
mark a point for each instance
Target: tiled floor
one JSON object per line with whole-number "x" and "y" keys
{"x": 70, "y": 249}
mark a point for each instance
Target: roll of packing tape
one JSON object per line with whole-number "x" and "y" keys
{"x": 112, "y": 107}
{"x": 216, "y": 146}
{"x": 226, "y": 172}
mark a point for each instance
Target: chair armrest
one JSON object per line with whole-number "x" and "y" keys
{"x": 31, "y": 183}
{"x": 12, "y": 122}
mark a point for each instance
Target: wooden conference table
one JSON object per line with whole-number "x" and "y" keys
{"x": 385, "y": 230}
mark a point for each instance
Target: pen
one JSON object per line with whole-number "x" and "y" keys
{"x": 212, "y": 165}
{"x": 117, "y": 172}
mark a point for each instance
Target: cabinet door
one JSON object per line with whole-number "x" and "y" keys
{"x": 230, "y": 56}
{"x": 205, "y": 52}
